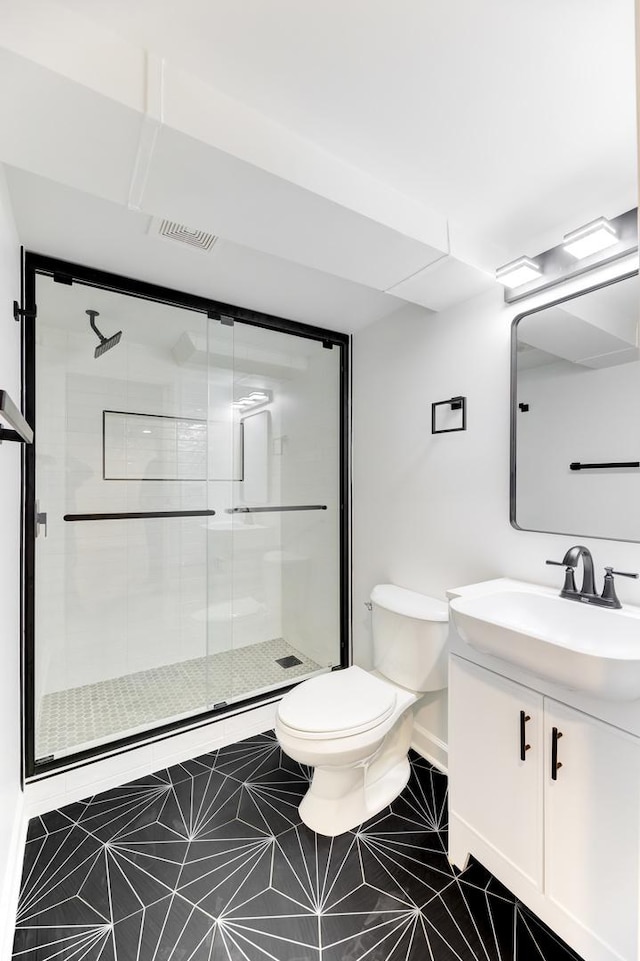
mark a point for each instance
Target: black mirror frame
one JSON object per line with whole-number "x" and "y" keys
{"x": 513, "y": 403}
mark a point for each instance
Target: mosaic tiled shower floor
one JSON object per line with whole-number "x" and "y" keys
{"x": 81, "y": 715}
{"x": 209, "y": 861}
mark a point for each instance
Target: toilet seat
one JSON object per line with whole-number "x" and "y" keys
{"x": 336, "y": 705}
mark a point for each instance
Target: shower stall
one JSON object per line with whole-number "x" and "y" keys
{"x": 186, "y": 509}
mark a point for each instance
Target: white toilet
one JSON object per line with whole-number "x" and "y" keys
{"x": 353, "y": 726}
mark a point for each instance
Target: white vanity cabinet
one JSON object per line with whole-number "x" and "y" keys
{"x": 569, "y": 845}
{"x": 592, "y": 826}
{"x": 491, "y": 789}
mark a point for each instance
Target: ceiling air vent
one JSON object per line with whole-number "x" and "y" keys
{"x": 170, "y": 230}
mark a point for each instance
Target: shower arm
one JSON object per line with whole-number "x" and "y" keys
{"x": 92, "y": 320}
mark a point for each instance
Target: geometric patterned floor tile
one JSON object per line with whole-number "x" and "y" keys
{"x": 209, "y": 861}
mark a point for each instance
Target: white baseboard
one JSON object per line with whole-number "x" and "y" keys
{"x": 10, "y": 883}
{"x": 431, "y": 748}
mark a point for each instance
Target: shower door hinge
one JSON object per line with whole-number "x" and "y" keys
{"x": 40, "y": 520}
{"x": 223, "y": 318}
{"x": 20, "y": 313}
{"x": 327, "y": 344}
{"x": 59, "y": 278}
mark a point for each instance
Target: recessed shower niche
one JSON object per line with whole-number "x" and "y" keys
{"x": 189, "y": 486}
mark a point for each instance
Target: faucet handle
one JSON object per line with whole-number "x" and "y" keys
{"x": 610, "y": 570}
{"x": 609, "y": 596}
{"x": 569, "y": 586}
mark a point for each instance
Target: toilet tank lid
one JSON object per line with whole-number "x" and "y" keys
{"x": 409, "y": 603}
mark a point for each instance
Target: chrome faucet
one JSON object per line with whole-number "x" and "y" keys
{"x": 587, "y": 593}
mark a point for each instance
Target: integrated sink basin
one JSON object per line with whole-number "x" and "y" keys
{"x": 582, "y": 648}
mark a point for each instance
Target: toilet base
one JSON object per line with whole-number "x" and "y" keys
{"x": 363, "y": 799}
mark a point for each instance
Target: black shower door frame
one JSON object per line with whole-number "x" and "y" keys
{"x": 67, "y": 273}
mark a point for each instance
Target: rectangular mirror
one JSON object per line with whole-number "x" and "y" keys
{"x": 575, "y": 411}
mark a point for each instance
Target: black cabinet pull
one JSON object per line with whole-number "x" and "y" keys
{"x": 555, "y": 763}
{"x": 524, "y": 747}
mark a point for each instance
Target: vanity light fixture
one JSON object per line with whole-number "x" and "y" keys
{"x": 518, "y": 272}
{"x": 600, "y": 243}
{"x": 590, "y": 239}
{"x": 254, "y": 399}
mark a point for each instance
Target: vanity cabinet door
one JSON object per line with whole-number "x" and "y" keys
{"x": 492, "y": 790}
{"x": 592, "y": 818}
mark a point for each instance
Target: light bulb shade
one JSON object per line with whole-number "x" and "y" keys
{"x": 252, "y": 399}
{"x": 590, "y": 239}
{"x": 518, "y": 272}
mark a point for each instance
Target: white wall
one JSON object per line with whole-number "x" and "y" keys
{"x": 432, "y": 512}
{"x": 10, "y": 794}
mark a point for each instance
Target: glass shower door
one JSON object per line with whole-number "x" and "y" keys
{"x": 188, "y": 489}
{"x": 123, "y": 459}
{"x": 283, "y": 511}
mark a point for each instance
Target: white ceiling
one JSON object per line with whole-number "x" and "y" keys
{"x": 514, "y": 117}
{"x": 57, "y": 220}
{"x": 340, "y": 149}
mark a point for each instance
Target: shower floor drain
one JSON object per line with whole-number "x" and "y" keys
{"x": 289, "y": 661}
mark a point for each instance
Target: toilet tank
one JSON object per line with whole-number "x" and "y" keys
{"x": 410, "y": 637}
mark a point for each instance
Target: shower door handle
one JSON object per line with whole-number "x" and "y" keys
{"x": 275, "y": 510}
{"x": 40, "y": 520}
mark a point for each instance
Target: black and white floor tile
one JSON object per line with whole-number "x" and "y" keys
{"x": 209, "y": 861}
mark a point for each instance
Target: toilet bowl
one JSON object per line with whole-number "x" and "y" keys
{"x": 353, "y": 726}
